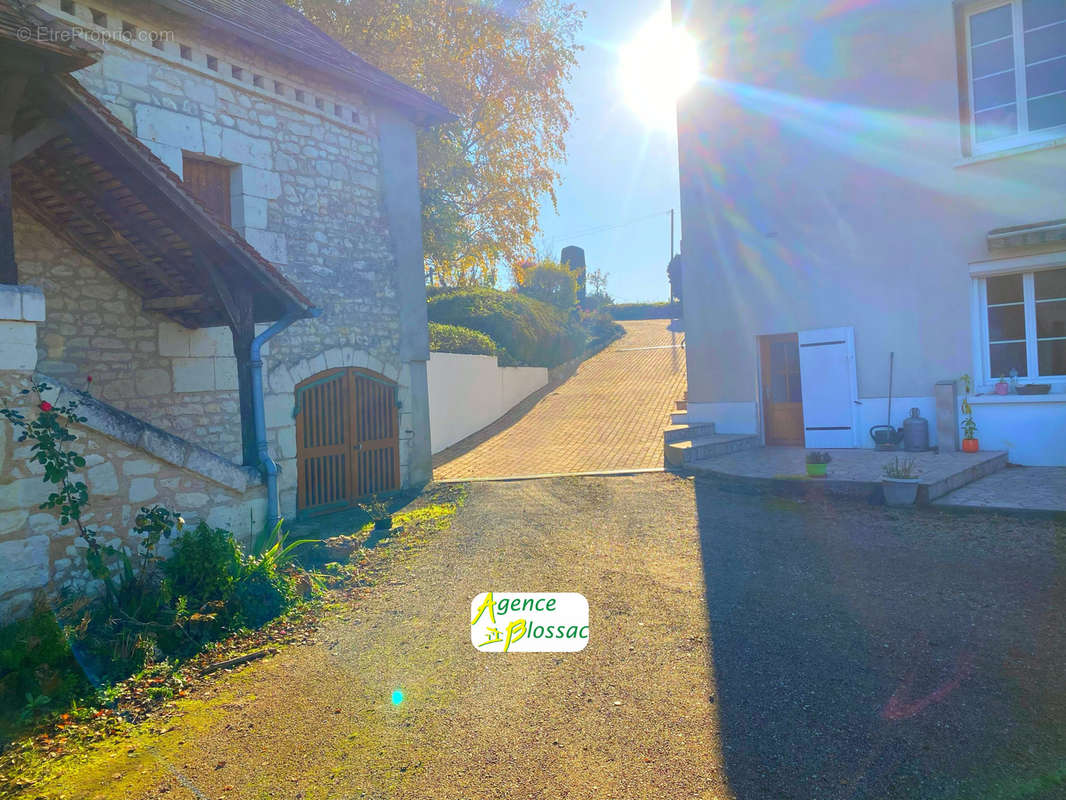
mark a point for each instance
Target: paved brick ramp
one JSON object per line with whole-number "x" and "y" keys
{"x": 609, "y": 415}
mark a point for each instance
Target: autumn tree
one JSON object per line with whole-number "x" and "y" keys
{"x": 502, "y": 68}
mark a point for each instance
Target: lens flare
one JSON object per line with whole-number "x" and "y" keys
{"x": 656, "y": 68}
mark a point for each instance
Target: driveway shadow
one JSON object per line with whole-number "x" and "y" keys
{"x": 862, "y": 652}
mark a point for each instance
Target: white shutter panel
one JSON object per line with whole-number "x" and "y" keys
{"x": 830, "y": 387}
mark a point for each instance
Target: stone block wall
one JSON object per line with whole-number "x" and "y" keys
{"x": 128, "y": 466}
{"x": 180, "y": 380}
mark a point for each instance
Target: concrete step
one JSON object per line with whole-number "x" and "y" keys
{"x": 928, "y": 492}
{"x": 678, "y": 454}
{"x": 679, "y": 417}
{"x": 682, "y": 433}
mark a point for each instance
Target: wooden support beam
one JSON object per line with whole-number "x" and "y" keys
{"x": 11, "y": 90}
{"x": 238, "y": 301}
{"x": 242, "y": 347}
{"x": 174, "y": 302}
{"x": 41, "y": 134}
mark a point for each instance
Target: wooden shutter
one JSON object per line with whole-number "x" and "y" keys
{"x": 830, "y": 387}
{"x": 208, "y": 182}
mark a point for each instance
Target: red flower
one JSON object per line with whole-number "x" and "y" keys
{"x": 88, "y": 378}
{"x": 46, "y": 406}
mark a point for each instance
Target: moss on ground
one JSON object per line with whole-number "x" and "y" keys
{"x": 131, "y": 745}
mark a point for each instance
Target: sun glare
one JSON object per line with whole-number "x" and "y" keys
{"x": 656, "y": 68}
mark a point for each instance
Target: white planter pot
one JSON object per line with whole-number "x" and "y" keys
{"x": 900, "y": 491}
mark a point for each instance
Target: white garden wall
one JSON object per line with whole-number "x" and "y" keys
{"x": 468, "y": 392}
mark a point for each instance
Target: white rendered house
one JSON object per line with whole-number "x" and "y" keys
{"x": 865, "y": 179}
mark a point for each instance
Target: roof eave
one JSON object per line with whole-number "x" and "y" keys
{"x": 69, "y": 94}
{"x": 423, "y": 109}
{"x": 66, "y": 55}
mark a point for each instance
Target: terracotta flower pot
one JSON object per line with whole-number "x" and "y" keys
{"x": 969, "y": 445}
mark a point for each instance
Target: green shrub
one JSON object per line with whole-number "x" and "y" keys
{"x": 644, "y": 311}
{"x": 551, "y": 283}
{"x": 601, "y": 329}
{"x": 221, "y": 586}
{"x": 457, "y": 339}
{"x": 37, "y": 667}
{"x": 596, "y": 301}
{"x": 205, "y": 564}
{"x": 526, "y": 331}
{"x": 260, "y": 594}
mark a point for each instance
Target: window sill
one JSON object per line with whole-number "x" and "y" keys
{"x": 1007, "y": 152}
{"x": 1057, "y": 395}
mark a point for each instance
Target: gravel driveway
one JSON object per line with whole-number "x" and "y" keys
{"x": 740, "y": 646}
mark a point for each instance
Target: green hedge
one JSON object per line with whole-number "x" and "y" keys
{"x": 457, "y": 339}
{"x": 526, "y": 331}
{"x": 601, "y": 329}
{"x": 644, "y": 310}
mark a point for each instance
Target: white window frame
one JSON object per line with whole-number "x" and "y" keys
{"x": 982, "y": 353}
{"x": 1024, "y": 136}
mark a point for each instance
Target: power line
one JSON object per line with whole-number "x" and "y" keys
{"x": 610, "y": 227}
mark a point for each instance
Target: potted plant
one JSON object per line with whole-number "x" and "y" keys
{"x": 969, "y": 427}
{"x": 1001, "y": 386}
{"x": 817, "y": 463}
{"x": 378, "y": 511}
{"x": 900, "y": 483}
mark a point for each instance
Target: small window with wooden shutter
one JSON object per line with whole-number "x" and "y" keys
{"x": 208, "y": 182}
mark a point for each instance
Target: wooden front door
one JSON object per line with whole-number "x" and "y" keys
{"x": 347, "y": 438}
{"x": 782, "y": 394}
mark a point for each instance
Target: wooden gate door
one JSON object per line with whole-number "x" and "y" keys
{"x": 376, "y": 433}
{"x": 347, "y": 442}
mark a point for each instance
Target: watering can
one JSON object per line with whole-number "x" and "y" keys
{"x": 886, "y": 437}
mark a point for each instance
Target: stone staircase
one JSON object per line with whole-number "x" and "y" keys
{"x": 684, "y": 443}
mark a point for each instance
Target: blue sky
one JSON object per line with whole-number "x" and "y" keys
{"x": 618, "y": 169}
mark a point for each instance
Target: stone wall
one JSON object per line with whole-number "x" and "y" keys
{"x": 307, "y": 191}
{"x": 128, "y": 466}
{"x": 182, "y": 381}
{"x": 306, "y": 186}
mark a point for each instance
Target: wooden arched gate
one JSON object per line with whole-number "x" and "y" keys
{"x": 347, "y": 442}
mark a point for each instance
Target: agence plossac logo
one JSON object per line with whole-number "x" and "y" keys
{"x": 529, "y": 622}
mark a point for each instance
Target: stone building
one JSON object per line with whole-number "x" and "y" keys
{"x": 212, "y": 209}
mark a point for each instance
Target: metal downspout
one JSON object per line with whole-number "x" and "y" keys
{"x": 266, "y": 463}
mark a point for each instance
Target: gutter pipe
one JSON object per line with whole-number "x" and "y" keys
{"x": 266, "y": 463}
